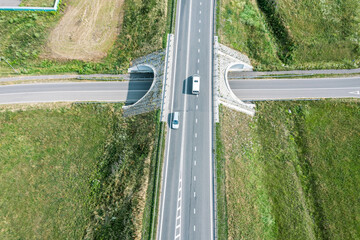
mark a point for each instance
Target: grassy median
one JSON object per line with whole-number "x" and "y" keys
{"x": 74, "y": 171}
{"x": 291, "y": 34}
{"x": 292, "y": 171}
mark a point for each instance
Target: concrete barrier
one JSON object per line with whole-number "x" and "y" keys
{"x": 41, "y": 9}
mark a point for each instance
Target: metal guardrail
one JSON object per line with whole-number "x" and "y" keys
{"x": 38, "y": 9}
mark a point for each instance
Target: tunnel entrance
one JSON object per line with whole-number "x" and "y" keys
{"x": 140, "y": 81}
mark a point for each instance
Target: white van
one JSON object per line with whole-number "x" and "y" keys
{"x": 195, "y": 84}
{"x": 175, "y": 120}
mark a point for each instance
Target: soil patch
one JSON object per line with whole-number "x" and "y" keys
{"x": 87, "y": 30}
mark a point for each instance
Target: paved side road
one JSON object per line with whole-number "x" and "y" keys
{"x": 9, "y": 3}
{"x": 236, "y": 74}
{"x": 271, "y": 89}
{"x": 128, "y": 92}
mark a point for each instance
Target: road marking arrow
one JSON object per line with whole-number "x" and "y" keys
{"x": 355, "y": 92}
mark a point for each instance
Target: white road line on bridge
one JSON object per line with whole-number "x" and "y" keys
{"x": 296, "y": 89}
{"x": 47, "y": 92}
{"x": 194, "y": 178}
{"x": 210, "y": 125}
{"x": 195, "y": 135}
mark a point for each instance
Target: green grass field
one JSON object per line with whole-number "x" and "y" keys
{"x": 290, "y": 34}
{"x": 292, "y": 172}
{"x": 74, "y": 171}
{"x": 23, "y": 37}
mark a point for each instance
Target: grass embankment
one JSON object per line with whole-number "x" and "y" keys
{"x": 24, "y": 36}
{"x": 37, "y": 3}
{"x": 74, "y": 171}
{"x": 290, "y": 34}
{"x": 292, "y": 172}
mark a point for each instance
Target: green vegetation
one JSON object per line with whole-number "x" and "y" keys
{"x": 37, "y": 3}
{"x": 23, "y": 37}
{"x": 74, "y": 171}
{"x": 292, "y": 172}
{"x": 153, "y": 192}
{"x": 222, "y": 225}
{"x": 291, "y": 34}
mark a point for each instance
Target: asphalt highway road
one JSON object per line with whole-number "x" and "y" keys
{"x": 186, "y": 207}
{"x": 271, "y": 89}
{"x": 129, "y": 92}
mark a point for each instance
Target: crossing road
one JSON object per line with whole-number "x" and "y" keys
{"x": 128, "y": 92}
{"x": 131, "y": 91}
{"x": 271, "y": 89}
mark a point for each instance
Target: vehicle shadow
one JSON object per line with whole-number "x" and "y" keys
{"x": 187, "y": 86}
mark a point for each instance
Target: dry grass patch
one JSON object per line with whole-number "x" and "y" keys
{"x": 86, "y": 31}
{"x": 37, "y": 3}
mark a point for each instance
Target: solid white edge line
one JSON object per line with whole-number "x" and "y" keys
{"x": 293, "y": 89}
{"x": 47, "y": 92}
{"x": 161, "y": 218}
{"x": 211, "y": 117}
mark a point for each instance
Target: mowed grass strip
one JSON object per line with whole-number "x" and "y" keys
{"x": 290, "y": 34}
{"x": 247, "y": 207}
{"x": 301, "y": 161}
{"x": 73, "y": 171}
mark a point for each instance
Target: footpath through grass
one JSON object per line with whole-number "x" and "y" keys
{"x": 292, "y": 172}
{"x": 291, "y": 34}
{"x": 74, "y": 171}
{"x": 23, "y": 39}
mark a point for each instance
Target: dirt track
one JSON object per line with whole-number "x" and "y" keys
{"x": 87, "y": 30}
